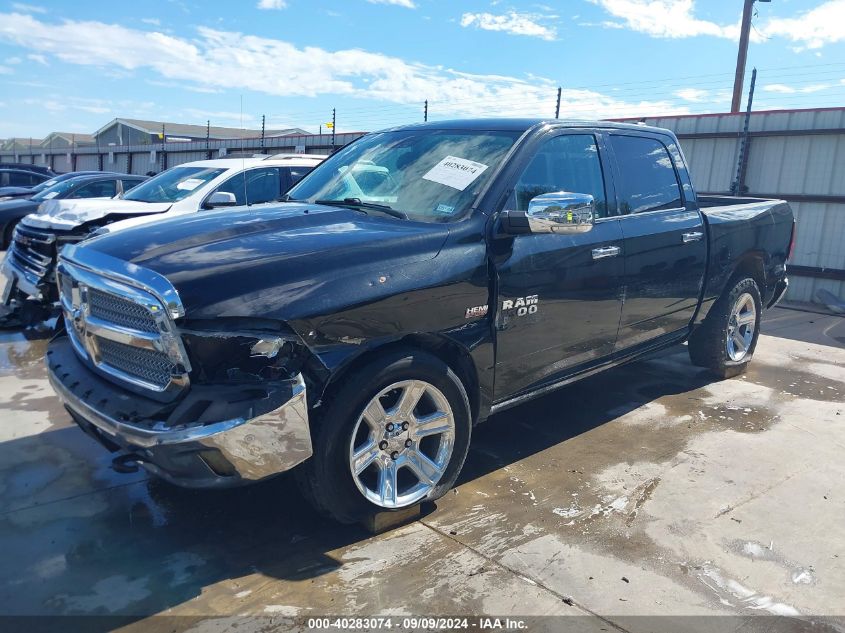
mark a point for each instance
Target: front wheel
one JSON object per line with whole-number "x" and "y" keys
{"x": 395, "y": 434}
{"x": 725, "y": 342}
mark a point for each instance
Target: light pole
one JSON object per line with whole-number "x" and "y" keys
{"x": 742, "y": 55}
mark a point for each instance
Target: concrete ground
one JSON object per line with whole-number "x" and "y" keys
{"x": 650, "y": 490}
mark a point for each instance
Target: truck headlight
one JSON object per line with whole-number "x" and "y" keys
{"x": 220, "y": 356}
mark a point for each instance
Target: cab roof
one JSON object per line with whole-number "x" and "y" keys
{"x": 523, "y": 125}
{"x": 236, "y": 162}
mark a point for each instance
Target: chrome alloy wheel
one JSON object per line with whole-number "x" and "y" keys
{"x": 741, "y": 324}
{"x": 402, "y": 443}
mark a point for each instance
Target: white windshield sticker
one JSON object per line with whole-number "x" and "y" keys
{"x": 458, "y": 173}
{"x": 50, "y": 196}
{"x": 189, "y": 184}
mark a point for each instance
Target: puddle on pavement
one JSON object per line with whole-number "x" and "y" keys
{"x": 790, "y": 381}
{"x": 22, "y": 352}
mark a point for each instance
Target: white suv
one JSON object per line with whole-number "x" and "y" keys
{"x": 186, "y": 188}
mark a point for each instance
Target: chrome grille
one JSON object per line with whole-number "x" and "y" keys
{"x": 125, "y": 331}
{"x": 150, "y": 366}
{"x": 119, "y": 311}
{"x": 33, "y": 250}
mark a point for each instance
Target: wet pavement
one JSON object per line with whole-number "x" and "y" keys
{"x": 649, "y": 490}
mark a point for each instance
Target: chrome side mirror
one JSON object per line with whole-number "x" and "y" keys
{"x": 561, "y": 212}
{"x": 221, "y": 199}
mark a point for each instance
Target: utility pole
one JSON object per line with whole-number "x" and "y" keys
{"x": 208, "y": 139}
{"x": 736, "y": 187}
{"x": 334, "y": 124}
{"x": 557, "y": 109}
{"x": 163, "y": 154}
{"x": 742, "y": 54}
{"x": 262, "y": 133}
{"x": 425, "y": 111}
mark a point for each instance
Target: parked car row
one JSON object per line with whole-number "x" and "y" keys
{"x": 31, "y": 294}
{"x": 7, "y": 193}
{"x": 75, "y": 186}
{"x": 412, "y": 284}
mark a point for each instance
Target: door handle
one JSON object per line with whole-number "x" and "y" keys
{"x": 695, "y": 236}
{"x": 606, "y": 251}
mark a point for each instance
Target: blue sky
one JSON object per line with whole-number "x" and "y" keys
{"x": 74, "y": 66}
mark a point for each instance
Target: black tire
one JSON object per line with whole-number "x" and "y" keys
{"x": 7, "y": 234}
{"x": 708, "y": 345}
{"x": 326, "y": 480}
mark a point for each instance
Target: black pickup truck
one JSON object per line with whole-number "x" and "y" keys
{"x": 417, "y": 281}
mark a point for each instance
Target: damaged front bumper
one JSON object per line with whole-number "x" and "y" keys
{"x": 218, "y": 436}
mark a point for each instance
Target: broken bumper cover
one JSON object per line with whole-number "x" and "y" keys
{"x": 232, "y": 451}
{"x": 19, "y": 279}
{"x": 779, "y": 292}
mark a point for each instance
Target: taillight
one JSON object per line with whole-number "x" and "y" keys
{"x": 792, "y": 241}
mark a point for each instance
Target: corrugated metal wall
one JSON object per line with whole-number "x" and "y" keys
{"x": 115, "y": 156}
{"x": 798, "y": 155}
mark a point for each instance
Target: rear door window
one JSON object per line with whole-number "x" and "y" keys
{"x": 298, "y": 173}
{"x": 23, "y": 179}
{"x": 254, "y": 186}
{"x": 262, "y": 185}
{"x": 647, "y": 179}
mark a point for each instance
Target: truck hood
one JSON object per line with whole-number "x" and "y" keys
{"x": 65, "y": 215}
{"x": 286, "y": 262}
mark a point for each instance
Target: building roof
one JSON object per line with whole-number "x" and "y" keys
{"x": 19, "y": 141}
{"x": 196, "y": 131}
{"x": 70, "y": 137}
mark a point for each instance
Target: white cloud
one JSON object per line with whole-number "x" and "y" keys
{"x": 812, "y": 29}
{"x": 221, "y": 117}
{"x": 13, "y": 60}
{"x": 788, "y": 90}
{"x": 408, "y": 4}
{"x": 272, "y": 4}
{"x": 676, "y": 19}
{"x": 663, "y": 18}
{"x": 36, "y": 57}
{"x": 4, "y": 70}
{"x": 226, "y": 60}
{"x": 61, "y": 103}
{"x": 695, "y": 95}
{"x": 151, "y": 21}
{"x": 28, "y": 8}
{"x": 511, "y": 22}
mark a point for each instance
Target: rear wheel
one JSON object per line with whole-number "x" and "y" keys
{"x": 395, "y": 434}
{"x": 725, "y": 342}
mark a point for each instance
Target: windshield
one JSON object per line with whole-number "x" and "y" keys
{"x": 55, "y": 190}
{"x": 172, "y": 185}
{"x": 41, "y": 186}
{"x": 429, "y": 175}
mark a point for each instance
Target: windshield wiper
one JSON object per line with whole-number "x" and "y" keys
{"x": 360, "y": 205}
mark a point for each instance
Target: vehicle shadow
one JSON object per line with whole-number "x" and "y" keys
{"x": 144, "y": 546}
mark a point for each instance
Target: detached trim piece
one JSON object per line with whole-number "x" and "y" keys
{"x": 837, "y": 274}
{"x": 789, "y": 197}
{"x": 760, "y": 133}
